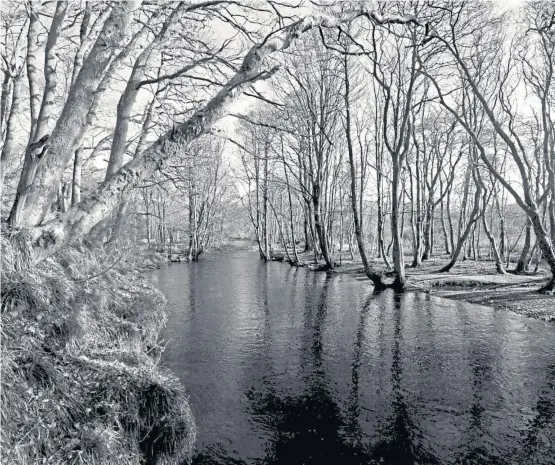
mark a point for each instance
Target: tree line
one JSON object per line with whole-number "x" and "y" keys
{"x": 398, "y": 129}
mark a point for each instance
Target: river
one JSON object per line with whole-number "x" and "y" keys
{"x": 288, "y": 366}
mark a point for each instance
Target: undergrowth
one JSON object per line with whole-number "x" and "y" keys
{"x": 80, "y": 376}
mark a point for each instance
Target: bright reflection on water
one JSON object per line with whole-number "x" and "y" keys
{"x": 287, "y": 366}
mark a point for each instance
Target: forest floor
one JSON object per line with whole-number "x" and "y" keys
{"x": 473, "y": 281}
{"x": 478, "y": 282}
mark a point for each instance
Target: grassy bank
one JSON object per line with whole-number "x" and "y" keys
{"x": 81, "y": 380}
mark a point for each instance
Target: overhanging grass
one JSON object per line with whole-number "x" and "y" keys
{"x": 79, "y": 382}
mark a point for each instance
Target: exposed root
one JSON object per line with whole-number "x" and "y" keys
{"x": 549, "y": 288}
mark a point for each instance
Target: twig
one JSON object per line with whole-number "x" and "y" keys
{"x": 107, "y": 269}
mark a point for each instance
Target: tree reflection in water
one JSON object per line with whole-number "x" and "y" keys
{"x": 306, "y": 427}
{"x": 539, "y": 438}
{"x": 310, "y": 429}
{"x": 355, "y": 382}
{"x": 398, "y": 443}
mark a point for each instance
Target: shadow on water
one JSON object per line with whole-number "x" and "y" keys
{"x": 285, "y": 366}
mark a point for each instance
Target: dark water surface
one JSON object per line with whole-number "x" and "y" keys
{"x": 288, "y": 366}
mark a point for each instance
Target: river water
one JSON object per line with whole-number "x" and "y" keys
{"x": 287, "y": 366}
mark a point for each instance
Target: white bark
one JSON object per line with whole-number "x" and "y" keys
{"x": 81, "y": 218}
{"x": 127, "y": 100}
{"x": 32, "y": 72}
{"x": 38, "y": 194}
{"x": 40, "y": 127}
{"x": 7, "y": 148}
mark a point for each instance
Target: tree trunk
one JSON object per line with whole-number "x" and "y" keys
{"x": 7, "y": 149}
{"x": 428, "y": 230}
{"x": 544, "y": 242}
{"x": 41, "y": 183}
{"x": 416, "y": 215}
{"x": 380, "y": 219}
{"x": 474, "y": 216}
{"x": 523, "y": 259}
{"x": 444, "y": 230}
{"x": 396, "y": 231}
{"x": 450, "y": 221}
{"x": 372, "y": 274}
{"x": 321, "y": 228}
{"x": 32, "y": 71}
{"x": 76, "y": 186}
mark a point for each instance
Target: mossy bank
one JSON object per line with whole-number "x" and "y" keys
{"x": 81, "y": 379}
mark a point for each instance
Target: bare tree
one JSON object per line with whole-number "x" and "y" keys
{"x": 36, "y": 197}
{"x": 450, "y": 37}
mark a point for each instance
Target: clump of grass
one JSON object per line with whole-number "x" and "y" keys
{"x": 79, "y": 384}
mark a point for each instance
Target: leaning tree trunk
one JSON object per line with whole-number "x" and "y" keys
{"x": 474, "y": 216}
{"x": 52, "y": 235}
{"x": 41, "y": 184}
{"x": 544, "y": 242}
{"x": 129, "y": 95}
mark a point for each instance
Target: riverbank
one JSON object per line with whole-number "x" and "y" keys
{"x": 478, "y": 282}
{"x": 81, "y": 379}
{"x": 470, "y": 281}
